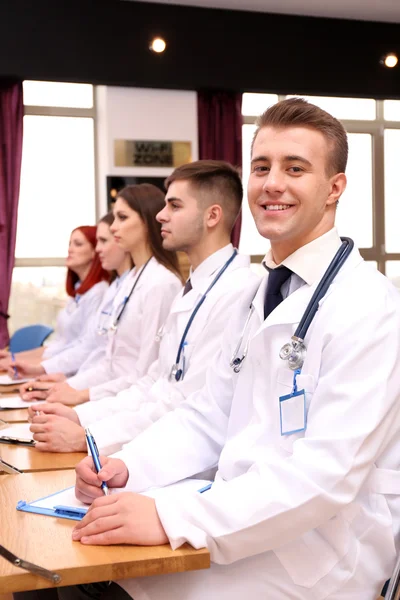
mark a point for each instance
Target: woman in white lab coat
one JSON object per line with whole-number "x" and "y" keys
{"x": 143, "y": 302}
{"x": 91, "y": 345}
{"x": 86, "y": 284}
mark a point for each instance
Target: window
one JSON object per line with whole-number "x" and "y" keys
{"x": 369, "y": 209}
{"x": 57, "y": 191}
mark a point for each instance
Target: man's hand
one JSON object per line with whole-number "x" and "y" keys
{"x": 24, "y": 369}
{"x": 64, "y": 393}
{"x": 56, "y": 434}
{"x": 124, "y": 518}
{"x": 87, "y": 487}
{"x": 42, "y": 390}
{"x": 53, "y": 408}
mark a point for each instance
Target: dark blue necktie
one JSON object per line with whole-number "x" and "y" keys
{"x": 188, "y": 287}
{"x": 273, "y": 296}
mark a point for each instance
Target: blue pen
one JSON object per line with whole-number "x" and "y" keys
{"x": 14, "y": 367}
{"x": 205, "y": 488}
{"x": 95, "y": 455}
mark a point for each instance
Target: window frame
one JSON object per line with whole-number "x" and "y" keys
{"x": 376, "y": 129}
{"x": 64, "y": 111}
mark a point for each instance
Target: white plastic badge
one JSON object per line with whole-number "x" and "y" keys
{"x": 292, "y": 410}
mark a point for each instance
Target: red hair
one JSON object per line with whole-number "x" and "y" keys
{"x": 96, "y": 273}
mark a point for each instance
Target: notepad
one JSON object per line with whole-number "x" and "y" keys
{"x": 65, "y": 505}
{"x": 18, "y": 433}
{"x": 6, "y": 380}
{"x": 61, "y": 504}
{"x": 12, "y": 401}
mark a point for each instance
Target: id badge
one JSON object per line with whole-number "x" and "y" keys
{"x": 292, "y": 410}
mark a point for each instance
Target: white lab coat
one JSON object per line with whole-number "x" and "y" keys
{"x": 311, "y": 515}
{"x": 117, "y": 420}
{"x": 91, "y": 346}
{"x": 73, "y": 319}
{"x": 132, "y": 347}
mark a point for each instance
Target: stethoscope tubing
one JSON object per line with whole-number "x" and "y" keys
{"x": 334, "y": 267}
{"x": 199, "y": 304}
{"x": 312, "y": 307}
{"x": 115, "y": 323}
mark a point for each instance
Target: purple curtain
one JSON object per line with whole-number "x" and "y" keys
{"x": 11, "y": 123}
{"x": 220, "y": 133}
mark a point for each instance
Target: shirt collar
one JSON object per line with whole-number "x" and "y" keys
{"x": 310, "y": 261}
{"x": 210, "y": 265}
{"x": 120, "y": 278}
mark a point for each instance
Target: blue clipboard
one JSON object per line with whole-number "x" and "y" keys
{"x": 61, "y": 511}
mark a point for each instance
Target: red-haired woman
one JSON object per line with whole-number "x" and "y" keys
{"x": 86, "y": 283}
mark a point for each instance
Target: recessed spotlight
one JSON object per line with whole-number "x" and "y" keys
{"x": 390, "y": 60}
{"x": 158, "y": 45}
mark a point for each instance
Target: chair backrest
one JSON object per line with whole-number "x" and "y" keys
{"x": 29, "y": 337}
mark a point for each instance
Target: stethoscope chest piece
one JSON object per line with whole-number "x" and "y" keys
{"x": 294, "y": 352}
{"x": 176, "y": 372}
{"x": 236, "y": 364}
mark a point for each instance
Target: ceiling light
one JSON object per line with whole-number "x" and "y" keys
{"x": 390, "y": 60}
{"x": 158, "y": 45}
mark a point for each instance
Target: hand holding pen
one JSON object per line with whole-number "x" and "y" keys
{"x": 14, "y": 365}
{"x": 96, "y": 458}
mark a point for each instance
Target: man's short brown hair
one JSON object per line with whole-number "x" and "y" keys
{"x": 218, "y": 183}
{"x": 297, "y": 112}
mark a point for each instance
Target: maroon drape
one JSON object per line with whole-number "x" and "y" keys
{"x": 11, "y": 123}
{"x": 220, "y": 133}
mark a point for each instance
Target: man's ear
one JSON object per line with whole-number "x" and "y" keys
{"x": 338, "y": 186}
{"x": 214, "y": 215}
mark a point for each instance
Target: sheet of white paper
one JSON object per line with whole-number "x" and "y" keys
{"x": 15, "y": 401}
{"x": 64, "y": 498}
{"x": 19, "y": 430}
{"x": 6, "y": 380}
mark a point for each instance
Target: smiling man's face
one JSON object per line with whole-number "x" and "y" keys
{"x": 291, "y": 194}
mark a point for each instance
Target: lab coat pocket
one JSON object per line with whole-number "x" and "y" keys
{"x": 316, "y": 553}
{"x": 304, "y": 382}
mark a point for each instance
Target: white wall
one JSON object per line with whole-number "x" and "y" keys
{"x": 141, "y": 114}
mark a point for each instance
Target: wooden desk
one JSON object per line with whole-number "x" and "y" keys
{"x": 31, "y": 460}
{"x": 9, "y": 389}
{"x": 47, "y": 542}
{"x": 19, "y": 415}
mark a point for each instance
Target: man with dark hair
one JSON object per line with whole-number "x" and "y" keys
{"x": 303, "y": 425}
{"x": 202, "y": 203}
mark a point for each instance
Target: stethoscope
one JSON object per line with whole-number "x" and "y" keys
{"x": 177, "y": 371}
{"x": 105, "y": 315}
{"x": 114, "y": 326}
{"x": 295, "y": 350}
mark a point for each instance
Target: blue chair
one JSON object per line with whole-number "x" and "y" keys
{"x": 29, "y": 337}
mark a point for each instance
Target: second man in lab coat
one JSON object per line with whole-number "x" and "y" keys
{"x": 201, "y": 206}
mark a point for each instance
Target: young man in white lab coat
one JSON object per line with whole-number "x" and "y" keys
{"x": 312, "y": 513}
{"x": 202, "y": 203}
